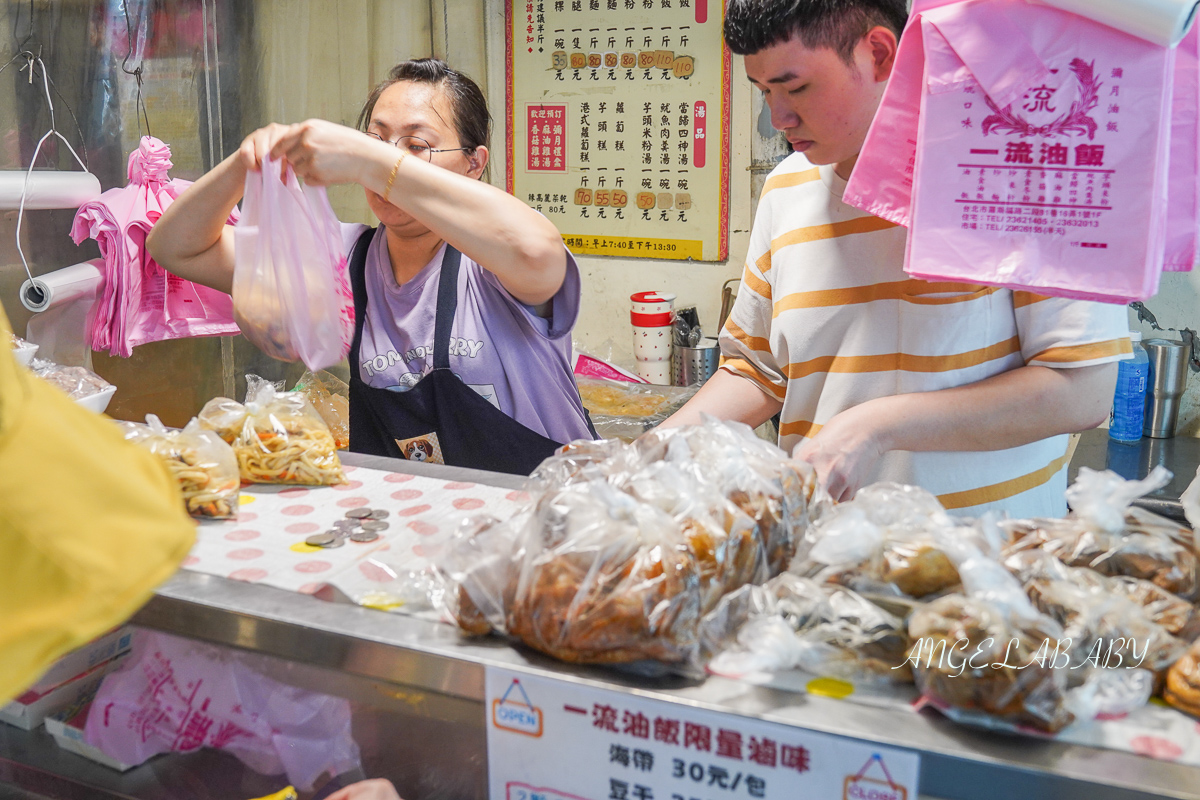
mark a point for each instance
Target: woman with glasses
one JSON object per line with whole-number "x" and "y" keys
{"x": 464, "y": 296}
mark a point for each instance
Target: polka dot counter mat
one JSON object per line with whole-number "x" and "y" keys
{"x": 266, "y": 543}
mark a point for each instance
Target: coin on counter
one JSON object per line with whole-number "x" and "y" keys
{"x": 320, "y": 539}
{"x": 374, "y": 525}
{"x": 336, "y": 541}
{"x": 361, "y": 512}
{"x": 364, "y": 536}
{"x": 346, "y": 524}
{"x": 379, "y": 513}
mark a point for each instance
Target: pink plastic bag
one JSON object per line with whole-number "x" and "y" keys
{"x": 139, "y": 301}
{"x": 291, "y": 291}
{"x": 176, "y": 695}
{"x": 1006, "y": 114}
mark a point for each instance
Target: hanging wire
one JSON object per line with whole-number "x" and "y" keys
{"x": 17, "y": 24}
{"x": 217, "y": 59}
{"x": 140, "y": 108}
{"x": 208, "y": 82}
{"x": 31, "y": 60}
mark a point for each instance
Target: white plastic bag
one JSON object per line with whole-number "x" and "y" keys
{"x": 291, "y": 290}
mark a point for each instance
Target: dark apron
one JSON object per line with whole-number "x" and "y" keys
{"x": 440, "y": 419}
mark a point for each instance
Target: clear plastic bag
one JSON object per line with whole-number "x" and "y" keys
{"x": 624, "y": 547}
{"x": 203, "y": 464}
{"x": 278, "y": 437}
{"x": 77, "y": 382}
{"x": 623, "y": 410}
{"x": 1182, "y": 689}
{"x": 291, "y": 290}
{"x": 793, "y": 622}
{"x": 888, "y": 540}
{"x": 330, "y": 396}
{"x": 1104, "y": 532}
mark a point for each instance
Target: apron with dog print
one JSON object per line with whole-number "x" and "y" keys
{"x": 440, "y": 419}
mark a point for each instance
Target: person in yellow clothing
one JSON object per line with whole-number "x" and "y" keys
{"x": 89, "y": 525}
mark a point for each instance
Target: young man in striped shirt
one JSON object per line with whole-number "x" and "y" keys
{"x": 968, "y": 391}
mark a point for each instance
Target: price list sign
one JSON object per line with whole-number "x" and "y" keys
{"x": 553, "y": 740}
{"x": 618, "y": 123}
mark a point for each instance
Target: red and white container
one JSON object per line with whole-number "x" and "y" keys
{"x": 651, "y": 314}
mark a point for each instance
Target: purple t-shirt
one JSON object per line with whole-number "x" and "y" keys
{"x": 514, "y": 359}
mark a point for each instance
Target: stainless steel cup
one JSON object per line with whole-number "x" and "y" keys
{"x": 692, "y": 365}
{"x": 1167, "y": 380}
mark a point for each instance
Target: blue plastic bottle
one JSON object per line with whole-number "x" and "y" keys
{"x": 1129, "y": 401}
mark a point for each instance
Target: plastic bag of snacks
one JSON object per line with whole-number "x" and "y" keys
{"x": 330, "y": 396}
{"x": 795, "y": 622}
{"x": 623, "y": 548}
{"x": 1097, "y": 615}
{"x": 203, "y": 464}
{"x": 1106, "y": 534}
{"x": 291, "y": 291}
{"x": 77, "y": 382}
{"x": 624, "y": 410}
{"x": 278, "y": 437}
{"x": 989, "y": 657}
{"x": 888, "y": 541}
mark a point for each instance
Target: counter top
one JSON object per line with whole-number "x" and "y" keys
{"x": 956, "y": 761}
{"x": 1135, "y": 460}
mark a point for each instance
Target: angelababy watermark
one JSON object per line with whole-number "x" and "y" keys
{"x": 1105, "y": 653}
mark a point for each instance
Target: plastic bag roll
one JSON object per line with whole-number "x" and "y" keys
{"x": 63, "y": 301}
{"x": 62, "y": 286}
{"x": 47, "y": 189}
{"x": 1163, "y": 22}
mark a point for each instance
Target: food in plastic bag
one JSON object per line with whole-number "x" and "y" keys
{"x": 177, "y": 695}
{"x": 291, "y": 291}
{"x": 624, "y": 547}
{"x": 792, "y": 622}
{"x": 623, "y": 410}
{"x": 278, "y": 437}
{"x": 77, "y": 382}
{"x": 1100, "y": 619}
{"x": 971, "y": 631}
{"x": 1182, "y": 689}
{"x": 887, "y": 540}
{"x": 1105, "y": 533}
{"x": 330, "y": 396}
{"x": 203, "y": 464}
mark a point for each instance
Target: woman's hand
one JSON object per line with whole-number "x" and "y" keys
{"x": 377, "y": 789}
{"x": 319, "y": 152}
{"x": 324, "y": 153}
{"x": 844, "y": 451}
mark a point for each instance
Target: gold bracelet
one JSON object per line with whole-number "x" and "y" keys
{"x": 392, "y": 177}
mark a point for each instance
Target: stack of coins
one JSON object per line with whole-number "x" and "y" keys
{"x": 360, "y": 525}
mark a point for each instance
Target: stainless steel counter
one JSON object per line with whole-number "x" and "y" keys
{"x": 1135, "y": 460}
{"x": 405, "y": 657}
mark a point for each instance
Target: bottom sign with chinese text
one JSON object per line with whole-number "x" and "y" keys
{"x": 553, "y": 740}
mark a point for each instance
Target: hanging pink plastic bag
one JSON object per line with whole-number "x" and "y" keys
{"x": 176, "y": 695}
{"x": 291, "y": 292}
{"x": 1038, "y": 152}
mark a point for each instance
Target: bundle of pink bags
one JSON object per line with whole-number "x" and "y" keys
{"x": 141, "y": 302}
{"x": 1027, "y": 147}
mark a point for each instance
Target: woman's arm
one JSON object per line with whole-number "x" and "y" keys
{"x": 489, "y": 226}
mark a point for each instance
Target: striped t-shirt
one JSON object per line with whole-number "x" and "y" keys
{"x": 826, "y": 319}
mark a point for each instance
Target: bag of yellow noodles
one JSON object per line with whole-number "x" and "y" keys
{"x": 278, "y": 437}
{"x": 202, "y": 464}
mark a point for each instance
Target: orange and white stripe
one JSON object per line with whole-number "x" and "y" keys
{"x": 826, "y": 319}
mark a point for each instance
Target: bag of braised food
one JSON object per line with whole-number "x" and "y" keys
{"x": 277, "y": 437}
{"x": 1107, "y": 534}
{"x": 203, "y": 464}
{"x": 990, "y": 657}
{"x": 624, "y": 548}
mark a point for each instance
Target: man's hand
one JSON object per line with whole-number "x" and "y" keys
{"x": 844, "y": 452}
{"x": 377, "y": 789}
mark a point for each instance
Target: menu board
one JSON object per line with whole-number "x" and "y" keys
{"x": 618, "y": 123}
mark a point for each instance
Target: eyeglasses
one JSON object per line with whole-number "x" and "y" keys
{"x": 418, "y": 146}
